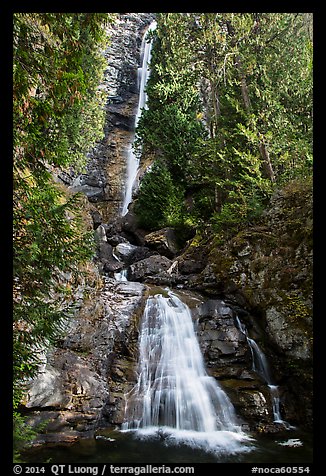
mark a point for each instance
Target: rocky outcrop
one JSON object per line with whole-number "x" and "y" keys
{"x": 103, "y": 180}
{"x": 107, "y": 262}
{"x": 153, "y": 269}
{"x": 229, "y": 359}
{"x": 267, "y": 269}
{"x": 82, "y": 384}
{"x": 163, "y": 241}
{"x": 129, "y": 254}
{"x": 262, "y": 275}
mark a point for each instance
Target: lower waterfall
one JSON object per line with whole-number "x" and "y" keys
{"x": 174, "y": 396}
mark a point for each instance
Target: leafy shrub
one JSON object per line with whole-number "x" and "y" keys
{"x": 160, "y": 200}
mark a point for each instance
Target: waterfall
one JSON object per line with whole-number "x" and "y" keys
{"x": 121, "y": 275}
{"x": 132, "y": 160}
{"x": 174, "y": 395}
{"x": 259, "y": 361}
{"x": 261, "y": 367}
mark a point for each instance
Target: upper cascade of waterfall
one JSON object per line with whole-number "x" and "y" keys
{"x": 174, "y": 393}
{"x": 144, "y": 71}
{"x": 143, "y": 76}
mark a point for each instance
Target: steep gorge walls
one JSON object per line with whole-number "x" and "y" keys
{"x": 103, "y": 180}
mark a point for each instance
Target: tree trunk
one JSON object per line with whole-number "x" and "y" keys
{"x": 266, "y": 162}
{"x": 215, "y": 108}
{"x": 244, "y": 87}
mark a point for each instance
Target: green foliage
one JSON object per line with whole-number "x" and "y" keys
{"x": 229, "y": 218}
{"x": 237, "y": 214}
{"x": 57, "y": 68}
{"x": 170, "y": 125}
{"x": 230, "y": 111}
{"x": 22, "y": 434}
{"x": 49, "y": 239}
{"x": 172, "y": 131}
{"x": 23, "y": 431}
{"x": 57, "y": 117}
{"x": 160, "y": 201}
{"x": 297, "y": 307}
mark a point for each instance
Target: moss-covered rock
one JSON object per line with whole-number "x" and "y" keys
{"x": 267, "y": 268}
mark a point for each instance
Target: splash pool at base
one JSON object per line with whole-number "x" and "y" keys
{"x": 126, "y": 447}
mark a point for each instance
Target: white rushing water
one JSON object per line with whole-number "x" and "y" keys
{"x": 261, "y": 367}
{"x": 174, "y": 396}
{"x": 132, "y": 159}
{"x": 121, "y": 275}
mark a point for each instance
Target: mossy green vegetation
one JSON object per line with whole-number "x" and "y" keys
{"x": 299, "y": 311}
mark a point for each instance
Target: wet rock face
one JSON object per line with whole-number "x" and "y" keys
{"x": 228, "y": 358}
{"x": 103, "y": 181}
{"x": 224, "y": 346}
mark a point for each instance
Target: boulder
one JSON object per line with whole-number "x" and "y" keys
{"x": 129, "y": 226}
{"x": 190, "y": 266}
{"x": 129, "y": 254}
{"x": 105, "y": 257}
{"x": 96, "y": 217}
{"x": 147, "y": 268}
{"x": 113, "y": 228}
{"x": 100, "y": 234}
{"x": 129, "y": 222}
{"x": 163, "y": 241}
{"x": 140, "y": 253}
{"x": 114, "y": 240}
{"x": 104, "y": 252}
{"x": 124, "y": 250}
